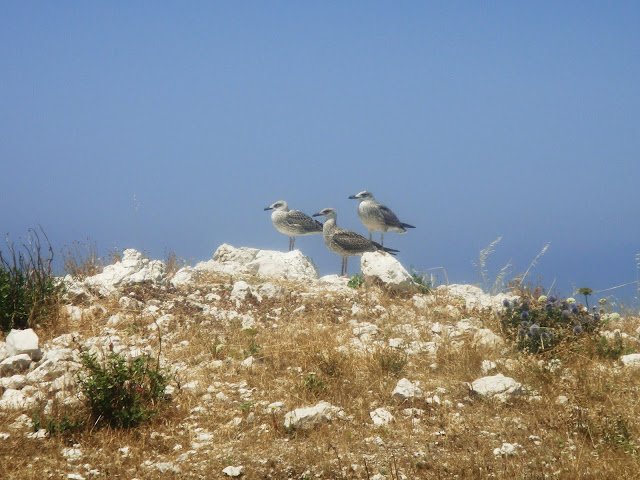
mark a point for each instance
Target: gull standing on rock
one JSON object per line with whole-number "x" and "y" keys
{"x": 292, "y": 222}
{"x": 378, "y": 217}
{"x": 345, "y": 242}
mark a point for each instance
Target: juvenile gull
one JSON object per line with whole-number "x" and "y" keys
{"x": 378, "y": 217}
{"x": 345, "y": 242}
{"x": 292, "y": 222}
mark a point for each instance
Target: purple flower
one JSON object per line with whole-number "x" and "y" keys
{"x": 553, "y": 299}
{"x": 506, "y": 303}
{"x": 524, "y": 314}
{"x": 596, "y": 317}
{"x": 577, "y": 329}
{"x": 566, "y": 314}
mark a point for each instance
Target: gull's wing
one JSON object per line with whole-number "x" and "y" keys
{"x": 298, "y": 219}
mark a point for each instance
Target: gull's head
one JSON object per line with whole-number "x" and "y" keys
{"x": 364, "y": 195}
{"x": 280, "y": 205}
{"x": 327, "y": 213}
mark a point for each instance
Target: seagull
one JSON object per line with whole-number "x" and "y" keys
{"x": 345, "y": 242}
{"x": 378, "y": 217}
{"x": 292, "y": 222}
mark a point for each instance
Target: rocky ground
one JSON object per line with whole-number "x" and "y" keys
{"x": 276, "y": 373}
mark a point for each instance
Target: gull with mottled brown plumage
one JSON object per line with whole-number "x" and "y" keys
{"x": 345, "y": 242}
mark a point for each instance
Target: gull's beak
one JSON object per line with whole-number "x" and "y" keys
{"x": 353, "y": 197}
{"x": 268, "y": 208}
{"x": 317, "y": 215}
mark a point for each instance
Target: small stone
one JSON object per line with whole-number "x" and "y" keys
{"x": 23, "y": 341}
{"x": 631, "y": 360}
{"x": 381, "y": 417}
{"x": 306, "y": 417}
{"x": 497, "y": 386}
{"x": 233, "y": 471}
{"x": 406, "y": 390}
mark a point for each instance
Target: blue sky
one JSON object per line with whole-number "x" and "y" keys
{"x": 470, "y": 120}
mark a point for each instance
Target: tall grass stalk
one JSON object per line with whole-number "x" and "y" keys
{"x": 534, "y": 262}
{"x": 482, "y": 261}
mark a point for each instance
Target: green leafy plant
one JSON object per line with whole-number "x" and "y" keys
{"x": 314, "y": 384}
{"x": 61, "y": 425}
{"x": 356, "y": 281}
{"x": 122, "y": 393}
{"x": 612, "y": 349}
{"x": 28, "y": 290}
{"x": 253, "y": 349}
{"x": 424, "y": 285}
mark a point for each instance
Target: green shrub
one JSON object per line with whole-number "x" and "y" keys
{"x": 28, "y": 290}
{"x": 122, "y": 393}
{"x": 540, "y": 324}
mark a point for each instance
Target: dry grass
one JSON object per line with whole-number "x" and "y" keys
{"x": 306, "y": 355}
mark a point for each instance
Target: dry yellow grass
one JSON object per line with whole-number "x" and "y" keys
{"x": 305, "y": 355}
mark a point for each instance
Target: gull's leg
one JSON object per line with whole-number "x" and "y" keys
{"x": 346, "y": 272}
{"x": 370, "y": 236}
{"x": 382, "y": 239}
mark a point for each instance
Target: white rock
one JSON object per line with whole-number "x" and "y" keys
{"x": 240, "y": 291}
{"x": 405, "y": 390}
{"x": 507, "y": 449}
{"x": 381, "y": 417}
{"x": 306, "y": 417}
{"x": 275, "y": 407}
{"x": 335, "y": 283}
{"x": 16, "y": 363}
{"x": 23, "y": 341}
{"x": 380, "y": 267}
{"x": 631, "y": 360}
{"x": 72, "y": 453}
{"x": 486, "y": 338}
{"x": 75, "y": 313}
{"x": 15, "y": 382}
{"x": 562, "y": 399}
{"x": 233, "y": 471}
{"x": 364, "y": 328}
{"x": 474, "y": 297}
{"x": 133, "y": 268}
{"x": 164, "y": 467}
{"x": 183, "y": 276}
{"x": 248, "y": 362}
{"x": 497, "y": 386}
{"x": 262, "y": 263}
{"x": 3, "y": 351}
{"x": 74, "y": 476}
{"x": 488, "y": 366}
{"x": 16, "y": 400}
{"x": 270, "y": 290}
